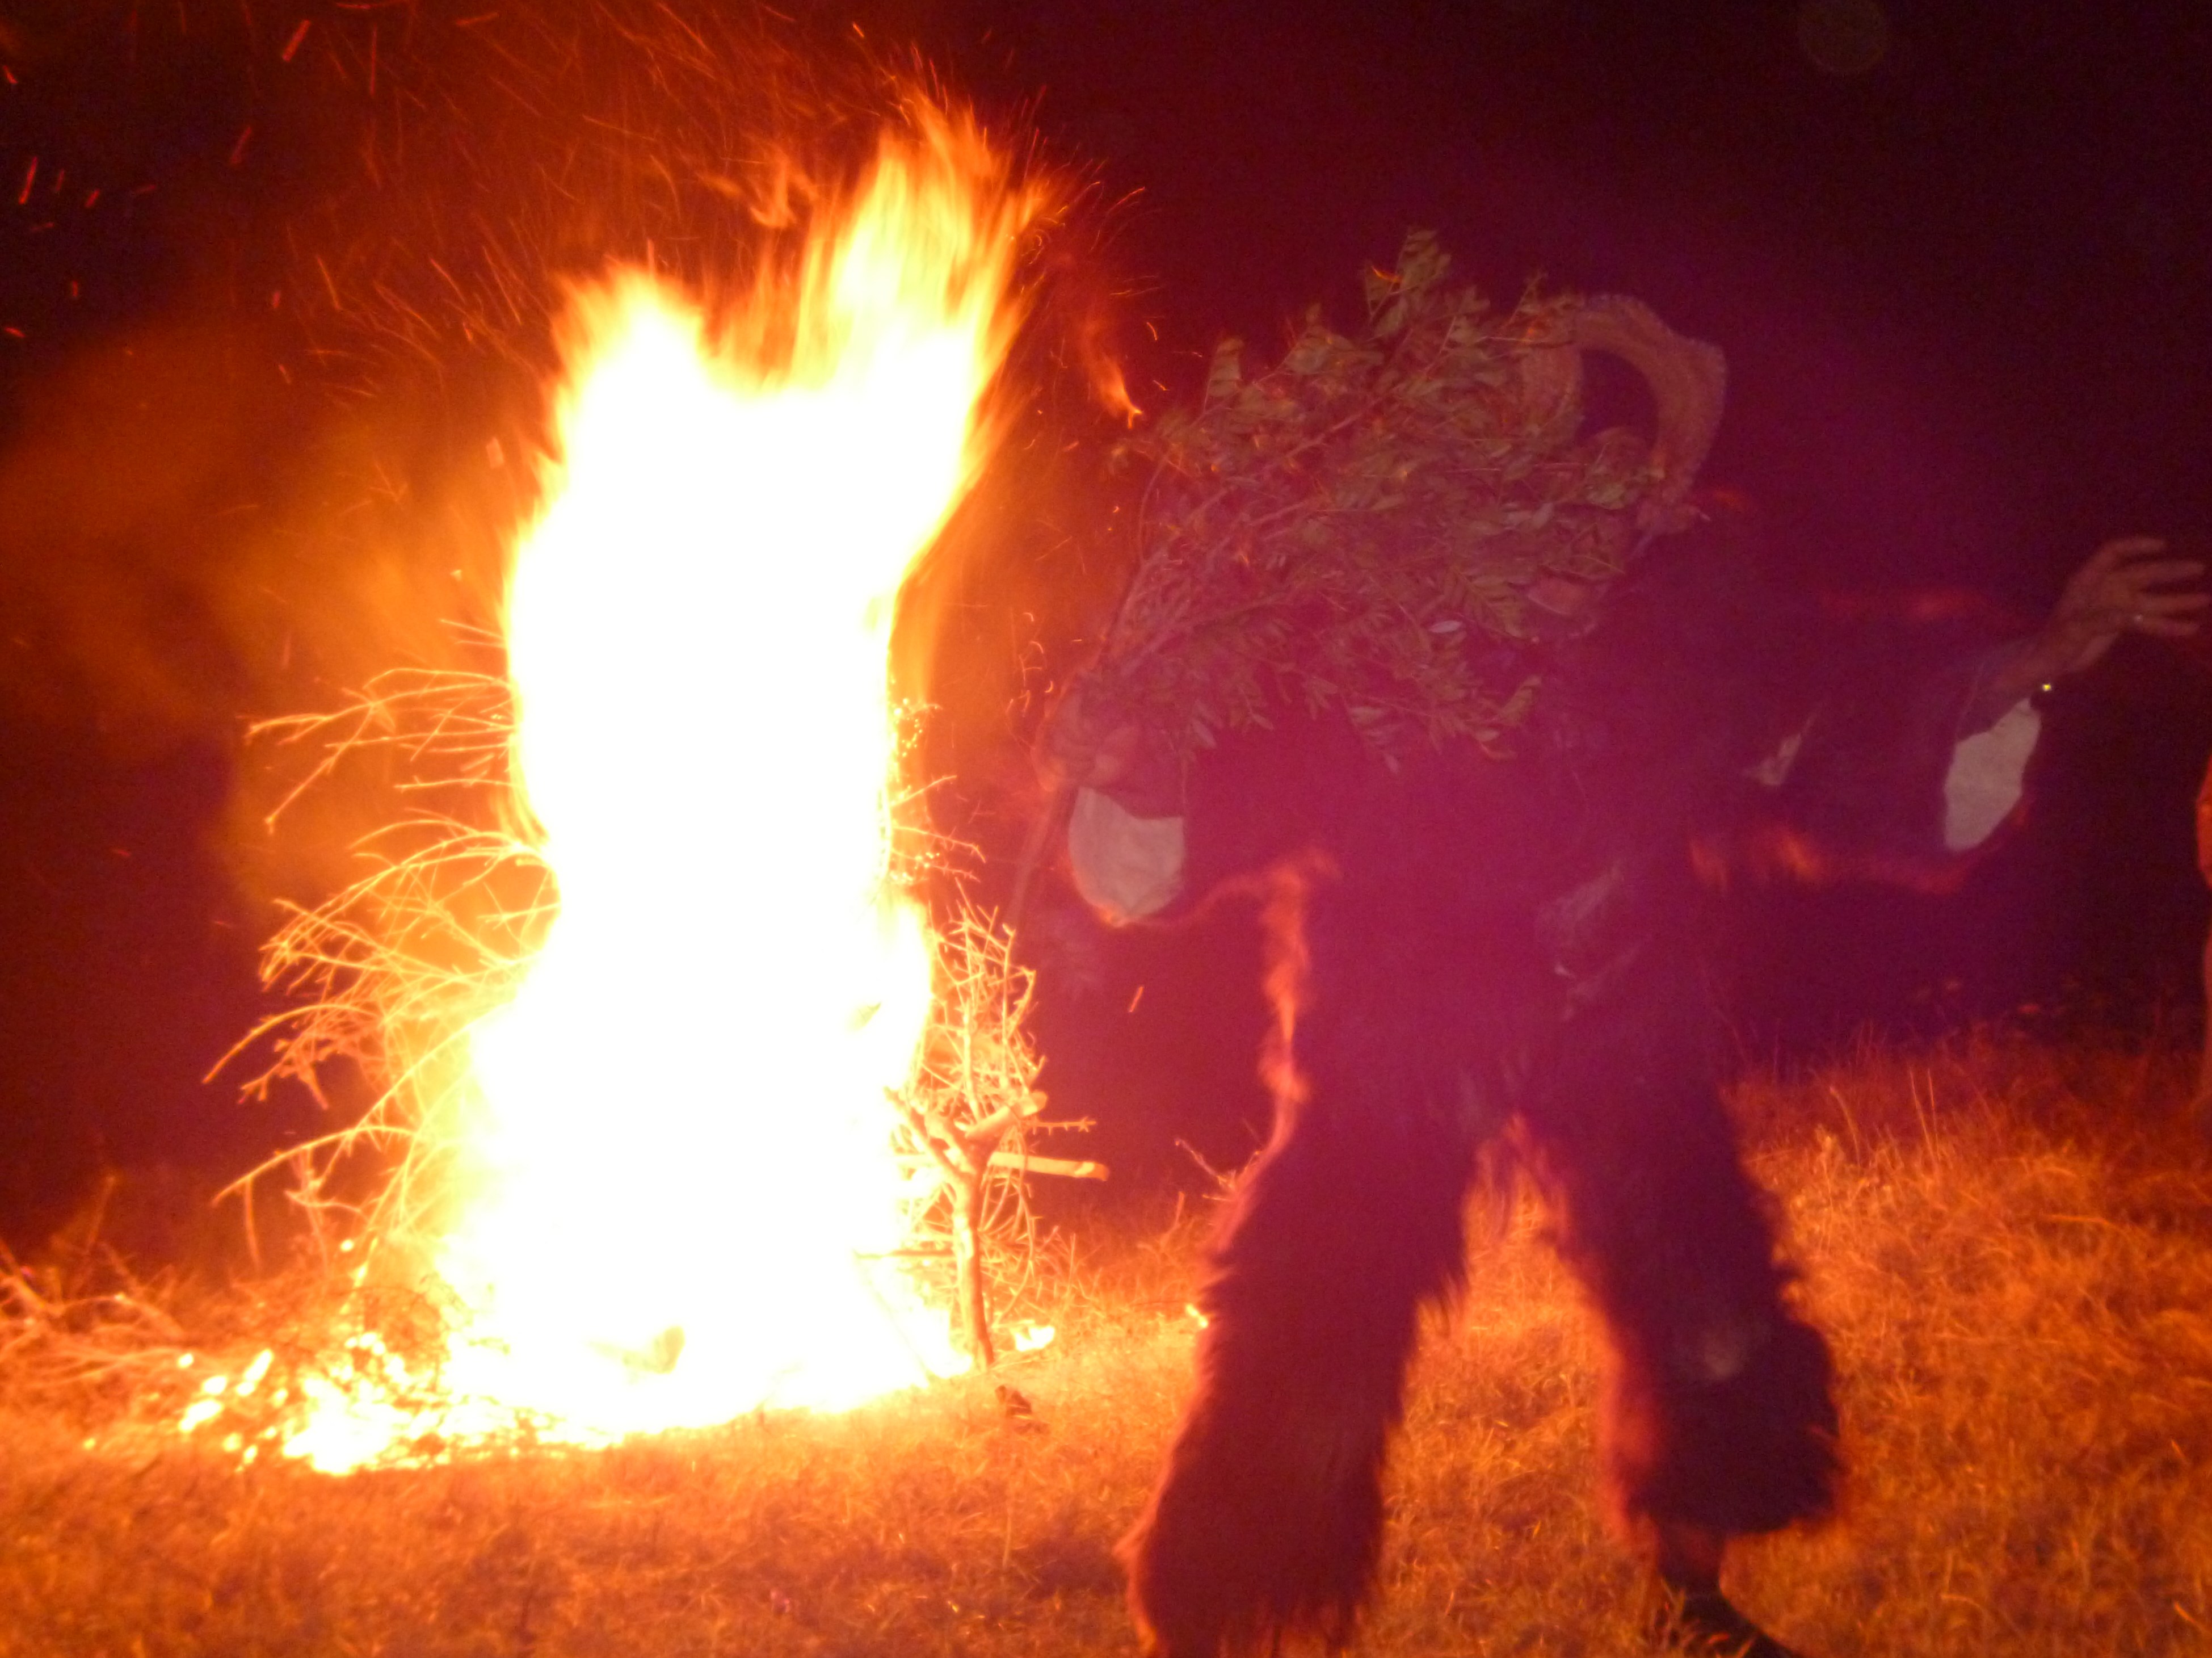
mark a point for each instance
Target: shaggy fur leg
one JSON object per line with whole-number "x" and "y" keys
{"x": 1268, "y": 1519}
{"x": 1719, "y": 1412}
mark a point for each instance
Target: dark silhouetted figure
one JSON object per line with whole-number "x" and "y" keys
{"x": 1464, "y": 944}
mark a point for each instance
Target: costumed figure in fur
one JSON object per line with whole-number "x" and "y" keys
{"x": 1468, "y": 699}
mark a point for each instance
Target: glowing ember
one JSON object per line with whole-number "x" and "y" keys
{"x": 680, "y": 1198}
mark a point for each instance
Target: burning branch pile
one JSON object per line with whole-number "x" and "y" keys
{"x": 972, "y": 1108}
{"x": 677, "y": 1088}
{"x": 387, "y": 975}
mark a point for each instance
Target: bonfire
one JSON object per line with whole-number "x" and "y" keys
{"x": 684, "y": 1105}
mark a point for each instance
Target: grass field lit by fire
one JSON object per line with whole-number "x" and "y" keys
{"x": 2011, "y": 1241}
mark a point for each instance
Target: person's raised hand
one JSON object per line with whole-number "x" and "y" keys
{"x": 2126, "y": 586}
{"x": 1086, "y": 743}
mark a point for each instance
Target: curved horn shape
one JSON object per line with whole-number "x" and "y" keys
{"x": 1688, "y": 379}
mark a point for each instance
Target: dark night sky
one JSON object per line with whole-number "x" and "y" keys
{"x": 1965, "y": 292}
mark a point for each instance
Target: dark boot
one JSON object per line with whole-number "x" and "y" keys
{"x": 1706, "y": 1622}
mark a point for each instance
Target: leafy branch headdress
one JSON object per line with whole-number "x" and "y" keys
{"x": 1393, "y": 522}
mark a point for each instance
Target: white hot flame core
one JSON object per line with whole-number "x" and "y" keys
{"x": 680, "y": 1199}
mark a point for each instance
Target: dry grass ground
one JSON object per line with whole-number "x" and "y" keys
{"x": 2011, "y": 1243}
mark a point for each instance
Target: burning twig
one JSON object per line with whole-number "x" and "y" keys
{"x": 972, "y": 1106}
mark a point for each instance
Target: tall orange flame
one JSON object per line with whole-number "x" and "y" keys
{"x": 679, "y": 1200}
